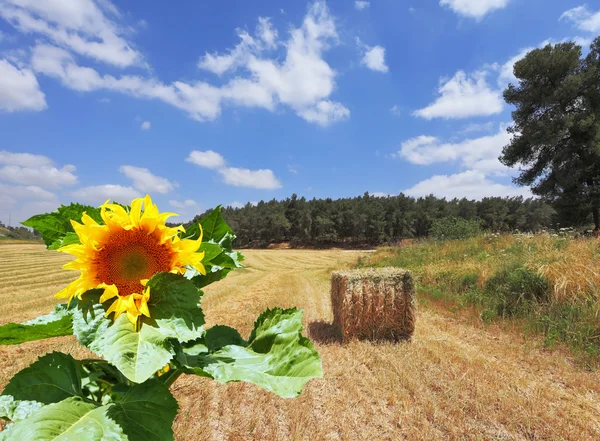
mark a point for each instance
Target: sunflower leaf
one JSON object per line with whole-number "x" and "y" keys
{"x": 146, "y": 412}
{"x": 137, "y": 354}
{"x": 175, "y": 307}
{"x": 52, "y": 378}
{"x": 16, "y": 410}
{"x": 214, "y": 227}
{"x": 277, "y": 357}
{"x": 55, "y": 226}
{"x": 71, "y": 419}
{"x": 55, "y": 324}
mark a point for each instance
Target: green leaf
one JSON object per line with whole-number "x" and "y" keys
{"x": 88, "y": 317}
{"x": 55, "y": 226}
{"x": 211, "y": 251}
{"x": 220, "y": 336}
{"x": 16, "y": 410}
{"x": 69, "y": 420}
{"x": 277, "y": 357}
{"x": 51, "y": 379}
{"x": 175, "y": 307}
{"x": 137, "y": 354}
{"x": 55, "y": 324}
{"x": 175, "y": 313}
{"x": 214, "y": 227}
{"x": 146, "y": 412}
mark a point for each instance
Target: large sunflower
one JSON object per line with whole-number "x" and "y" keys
{"x": 121, "y": 255}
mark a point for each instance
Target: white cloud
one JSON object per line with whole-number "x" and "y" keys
{"x": 303, "y": 81}
{"x": 464, "y": 96}
{"x": 267, "y": 33}
{"x": 240, "y": 177}
{"x": 182, "y": 205}
{"x": 474, "y": 8}
{"x": 395, "y": 109}
{"x": 471, "y": 184}
{"x": 325, "y": 112}
{"x": 146, "y": 125}
{"x": 145, "y": 181}
{"x": 243, "y": 177}
{"x": 98, "y": 194}
{"x": 24, "y": 159}
{"x": 18, "y": 211}
{"x": 374, "y": 59}
{"x": 480, "y": 154}
{"x": 26, "y": 192}
{"x": 207, "y": 159}
{"x": 583, "y": 18}
{"x": 82, "y": 26}
{"x": 19, "y": 89}
{"x": 507, "y": 70}
{"x": 474, "y": 127}
{"x": 361, "y": 4}
{"x": 34, "y": 170}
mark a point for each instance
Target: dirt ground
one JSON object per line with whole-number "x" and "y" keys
{"x": 457, "y": 379}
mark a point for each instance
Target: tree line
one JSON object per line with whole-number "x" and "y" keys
{"x": 371, "y": 220}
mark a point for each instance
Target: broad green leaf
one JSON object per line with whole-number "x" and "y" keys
{"x": 69, "y": 420}
{"x": 146, "y": 412}
{"x": 56, "y": 225}
{"x": 55, "y": 324}
{"x": 50, "y": 379}
{"x": 137, "y": 354}
{"x": 220, "y": 336}
{"x": 175, "y": 307}
{"x": 16, "y": 410}
{"x": 175, "y": 313}
{"x": 214, "y": 227}
{"x": 88, "y": 317}
{"x": 277, "y": 357}
{"x": 211, "y": 251}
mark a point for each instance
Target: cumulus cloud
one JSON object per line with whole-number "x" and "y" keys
{"x": 36, "y": 170}
{"x": 361, "y": 4}
{"x": 19, "y": 89}
{"x": 471, "y": 184}
{"x": 583, "y": 18}
{"x": 86, "y": 27}
{"x": 207, "y": 159}
{"x": 182, "y": 205}
{"x": 98, "y": 194}
{"x": 373, "y": 58}
{"x": 243, "y": 177}
{"x": 239, "y": 177}
{"x": 145, "y": 181}
{"x": 302, "y": 81}
{"x": 476, "y": 9}
{"x": 145, "y": 125}
{"x": 325, "y": 113}
{"x": 480, "y": 154}
{"x": 464, "y": 96}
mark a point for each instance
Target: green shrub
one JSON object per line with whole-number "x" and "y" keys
{"x": 452, "y": 227}
{"x": 515, "y": 289}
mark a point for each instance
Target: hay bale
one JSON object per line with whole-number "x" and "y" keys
{"x": 374, "y": 304}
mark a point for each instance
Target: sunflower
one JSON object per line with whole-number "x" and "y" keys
{"x": 124, "y": 253}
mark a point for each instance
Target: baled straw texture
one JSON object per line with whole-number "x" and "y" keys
{"x": 374, "y": 304}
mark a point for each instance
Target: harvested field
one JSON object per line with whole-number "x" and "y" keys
{"x": 455, "y": 381}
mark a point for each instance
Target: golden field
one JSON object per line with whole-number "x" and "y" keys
{"x": 457, "y": 380}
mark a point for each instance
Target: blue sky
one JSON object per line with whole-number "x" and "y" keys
{"x": 206, "y": 103}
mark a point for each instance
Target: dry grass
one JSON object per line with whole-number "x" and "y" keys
{"x": 374, "y": 304}
{"x": 455, "y": 381}
{"x": 572, "y": 266}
